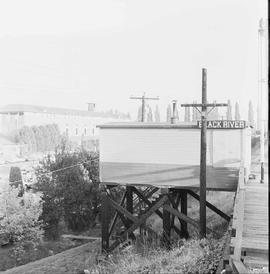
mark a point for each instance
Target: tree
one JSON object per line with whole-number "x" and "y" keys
{"x": 187, "y": 114}
{"x": 42, "y": 138}
{"x": 169, "y": 113}
{"x": 70, "y": 194}
{"x": 177, "y": 114}
{"x": 139, "y": 116}
{"x": 237, "y": 112}
{"x": 157, "y": 114}
{"x": 15, "y": 179}
{"x": 149, "y": 115}
{"x": 229, "y": 111}
{"x": 251, "y": 114}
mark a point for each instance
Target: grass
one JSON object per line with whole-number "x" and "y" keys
{"x": 192, "y": 256}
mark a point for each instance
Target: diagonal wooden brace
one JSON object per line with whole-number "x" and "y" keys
{"x": 158, "y": 212}
{"x": 187, "y": 219}
{"x": 215, "y": 209}
{"x": 140, "y": 221}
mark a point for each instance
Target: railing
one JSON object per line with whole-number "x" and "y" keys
{"x": 237, "y": 225}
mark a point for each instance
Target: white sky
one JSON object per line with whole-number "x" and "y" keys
{"x": 66, "y": 53}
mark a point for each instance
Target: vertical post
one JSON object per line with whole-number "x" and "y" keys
{"x": 129, "y": 201}
{"x": 166, "y": 225}
{"x": 105, "y": 219}
{"x": 183, "y": 203}
{"x": 143, "y": 108}
{"x": 203, "y": 157}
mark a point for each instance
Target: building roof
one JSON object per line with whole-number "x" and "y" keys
{"x": 149, "y": 125}
{"x": 178, "y": 125}
{"x": 14, "y": 108}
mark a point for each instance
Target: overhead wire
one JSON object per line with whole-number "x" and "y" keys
{"x": 61, "y": 169}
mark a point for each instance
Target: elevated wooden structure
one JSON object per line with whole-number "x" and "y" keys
{"x": 250, "y": 236}
{"x": 157, "y": 166}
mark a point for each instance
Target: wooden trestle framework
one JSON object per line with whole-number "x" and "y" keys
{"x": 169, "y": 200}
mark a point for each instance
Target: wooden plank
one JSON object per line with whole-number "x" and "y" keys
{"x": 238, "y": 267}
{"x": 184, "y": 208}
{"x": 239, "y": 226}
{"x": 255, "y": 262}
{"x": 166, "y": 225}
{"x": 129, "y": 201}
{"x": 105, "y": 219}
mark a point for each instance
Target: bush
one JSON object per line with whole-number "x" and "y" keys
{"x": 71, "y": 193}
{"x": 15, "y": 179}
{"x": 19, "y": 218}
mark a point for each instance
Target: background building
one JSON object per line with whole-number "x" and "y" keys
{"x": 76, "y": 124}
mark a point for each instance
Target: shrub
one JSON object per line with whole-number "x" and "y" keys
{"x": 19, "y": 218}
{"x": 15, "y": 179}
{"x": 71, "y": 193}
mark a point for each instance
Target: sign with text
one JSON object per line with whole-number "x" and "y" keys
{"x": 224, "y": 124}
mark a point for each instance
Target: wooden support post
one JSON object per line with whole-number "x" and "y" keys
{"x": 105, "y": 220}
{"x": 166, "y": 225}
{"x": 183, "y": 201}
{"x": 116, "y": 215}
{"x": 129, "y": 201}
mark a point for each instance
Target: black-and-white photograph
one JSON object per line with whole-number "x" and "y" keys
{"x": 134, "y": 136}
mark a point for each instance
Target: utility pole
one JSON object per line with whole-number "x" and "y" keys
{"x": 203, "y": 175}
{"x": 143, "y": 98}
{"x": 262, "y": 87}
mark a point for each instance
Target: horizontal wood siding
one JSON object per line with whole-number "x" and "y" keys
{"x": 226, "y": 147}
{"x": 161, "y": 146}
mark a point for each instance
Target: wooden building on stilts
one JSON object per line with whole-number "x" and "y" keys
{"x": 159, "y": 165}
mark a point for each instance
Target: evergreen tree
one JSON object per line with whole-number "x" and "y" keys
{"x": 139, "y": 116}
{"x": 229, "y": 111}
{"x": 157, "y": 115}
{"x": 177, "y": 113}
{"x": 169, "y": 113}
{"x": 237, "y": 112}
{"x": 187, "y": 114}
{"x": 149, "y": 115}
{"x": 251, "y": 114}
